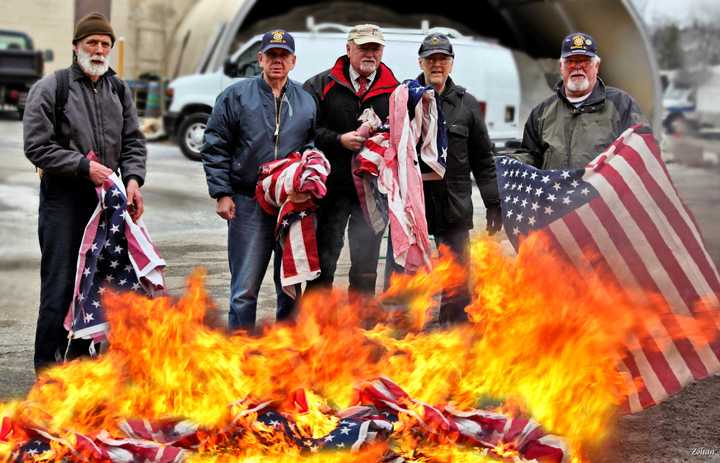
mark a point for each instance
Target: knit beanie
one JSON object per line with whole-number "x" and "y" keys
{"x": 93, "y": 23}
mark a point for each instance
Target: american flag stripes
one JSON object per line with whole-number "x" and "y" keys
{"x": 116, "y": 253}
{"x": 622, "y": 215}
{"x": 366, "y": 166}
{"x": 304, "y": 173}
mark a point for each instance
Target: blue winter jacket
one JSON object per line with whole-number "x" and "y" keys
{"x": 240, "y": 134}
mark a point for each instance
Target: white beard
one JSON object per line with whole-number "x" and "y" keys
{"x": 84, "y": 59}
{"x": 578, "y": 85}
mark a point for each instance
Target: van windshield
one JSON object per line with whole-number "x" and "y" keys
{"x": 13, "y": 42}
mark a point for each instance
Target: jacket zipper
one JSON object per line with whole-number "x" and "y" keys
{"x": 93, "y": 121}
{"x": 100, "y": 143}
{"x": 278, "y": 112}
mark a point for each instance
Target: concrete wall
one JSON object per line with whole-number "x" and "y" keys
{"x": 147, "y": 26}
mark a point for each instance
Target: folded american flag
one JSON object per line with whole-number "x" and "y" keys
{"x": 116, "y": 253}
{"x": 621, "y": 216}
{"x": 304, "y": 173}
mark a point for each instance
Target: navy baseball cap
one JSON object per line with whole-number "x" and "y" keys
{"x": 277, "y": 39}
{"x": 578, "y": 43}
{"x": 436, "y": 43}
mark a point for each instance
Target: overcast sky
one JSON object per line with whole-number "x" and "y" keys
{"x": 684, "y": 11}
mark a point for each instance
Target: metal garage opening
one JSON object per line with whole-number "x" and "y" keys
{"x": 532, "y": 28}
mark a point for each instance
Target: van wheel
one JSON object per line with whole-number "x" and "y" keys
{"x": 21, "y": 112}
{"x": 191, "y": 133}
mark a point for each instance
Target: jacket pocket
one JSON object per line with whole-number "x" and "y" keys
{"x": 458, "y": 207}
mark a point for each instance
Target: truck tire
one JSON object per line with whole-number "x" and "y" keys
{"x": 190, "y": 135}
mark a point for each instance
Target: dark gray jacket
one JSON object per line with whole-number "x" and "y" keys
{"x": 559, "y": 135}
{"x": 241, "y": 132}
{"x": 94, "y": 120}
{"x": 448, "y": 202}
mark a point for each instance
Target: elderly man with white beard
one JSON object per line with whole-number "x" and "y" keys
{"x": 80, "y": 126}
{"x": 582, "y": 117}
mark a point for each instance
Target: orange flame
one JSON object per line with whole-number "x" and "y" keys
{"x": 543, "y": 340}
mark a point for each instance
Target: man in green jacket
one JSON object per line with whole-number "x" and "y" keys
{"x": 582, "y": 117}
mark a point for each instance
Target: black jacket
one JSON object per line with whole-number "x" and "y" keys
{"x": 338, "y": 109}
{"x": 448, "y": 202}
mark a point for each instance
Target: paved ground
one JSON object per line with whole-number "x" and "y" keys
{"x": 184, "y": 226}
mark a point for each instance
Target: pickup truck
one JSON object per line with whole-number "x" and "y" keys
{"x": 20, "y": 67}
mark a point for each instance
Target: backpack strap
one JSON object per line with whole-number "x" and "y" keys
{"x": 118, "y": 88}
{"x": 62, "y": 78}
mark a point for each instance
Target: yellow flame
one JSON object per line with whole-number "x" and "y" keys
{"x": 543, "y": 341}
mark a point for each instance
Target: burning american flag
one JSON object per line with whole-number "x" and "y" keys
{"x": 621, "y": 216}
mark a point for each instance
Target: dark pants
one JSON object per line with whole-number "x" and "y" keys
{"x": 66, "y": 204}
{"x": 333, "y": 215}
{"x": 454, "y": 300}
{"x": 251, "y": 242}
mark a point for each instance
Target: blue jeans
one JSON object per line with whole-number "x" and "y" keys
{"x": 251, "y": 241}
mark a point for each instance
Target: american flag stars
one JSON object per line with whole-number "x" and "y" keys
{"x": 533, "y": 198}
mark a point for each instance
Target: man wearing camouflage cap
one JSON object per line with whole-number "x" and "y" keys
{"x": 582, "y": 117}
{"x": 357, "y": 81}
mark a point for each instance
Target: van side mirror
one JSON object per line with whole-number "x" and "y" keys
{"x": 48, "y": 56}
{"x": 230, "y": 68}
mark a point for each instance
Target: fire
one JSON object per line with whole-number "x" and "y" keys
{"x": 543, "y": 342}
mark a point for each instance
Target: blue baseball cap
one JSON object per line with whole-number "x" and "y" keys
{"x": 277, "y": 39}
{"x": 578, "y": 43}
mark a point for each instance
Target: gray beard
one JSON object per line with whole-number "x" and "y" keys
{"x": 96, "y": 70}
{"x": 576, "y": 86}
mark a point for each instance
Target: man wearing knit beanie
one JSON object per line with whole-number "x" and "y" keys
{"x": 92, "y": 41}
{"x": 80, "y": 126}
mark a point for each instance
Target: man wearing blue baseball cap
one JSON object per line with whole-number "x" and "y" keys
{"x": 254, "y": 121}
{"x": 582, "y": 117}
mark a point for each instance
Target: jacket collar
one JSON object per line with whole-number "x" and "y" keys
{"x": 265, "y": 87}
{"x": 76, "y": 72}
{"x": 594, "y": 102}
{"x": 447, "y": 93}
{"x": 385, "y": 81}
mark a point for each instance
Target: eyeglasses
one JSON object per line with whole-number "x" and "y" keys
{"x": 442, "y": 59}
{"x": 581, "y": 63}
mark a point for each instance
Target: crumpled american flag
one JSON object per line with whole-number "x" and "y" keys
{"x": 304, "y": 173}
{"x": 621, "y": 215}
{"x": 116, "y": 253}
{"x": 375, "y": 417}
{"x": 390, "y": 164}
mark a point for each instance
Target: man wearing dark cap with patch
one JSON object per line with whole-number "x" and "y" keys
{"x": 254, "y": 121}
{"x": 359, "y": 80}
{"x": 582, "y": 117}
{"x": 448, "y": 202}
{"x": 70, "y": 113}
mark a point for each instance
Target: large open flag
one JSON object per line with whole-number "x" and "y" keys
{"x": 622, "y": 215}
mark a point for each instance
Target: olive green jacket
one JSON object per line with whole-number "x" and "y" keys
{"x": 559, "y": 135}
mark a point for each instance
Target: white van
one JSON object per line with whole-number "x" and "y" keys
{"x": 486, "y": 69}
